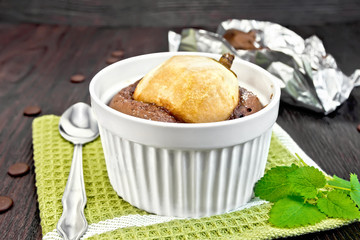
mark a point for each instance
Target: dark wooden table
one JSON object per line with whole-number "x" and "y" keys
{"x": 36, "y": 62}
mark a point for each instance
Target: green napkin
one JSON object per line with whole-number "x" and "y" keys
{"x": 104, "y": 210}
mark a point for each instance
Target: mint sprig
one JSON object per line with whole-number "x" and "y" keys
{"x": 306, "y": 181}
{"x": 338, "y": 205}
{"x": 339, "y": 182}
{"x": 297, "y": 212}
{"x": 355, "y": 189}
{"x": 303, "y": 195}
{"x": 274, "y": 185}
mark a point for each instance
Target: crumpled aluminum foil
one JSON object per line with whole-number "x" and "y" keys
{"x": 308, "y": 76}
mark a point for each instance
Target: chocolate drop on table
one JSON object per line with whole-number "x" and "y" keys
{"x": 18, "y": 169}
{"x": 77, "y": 78}
{"x": 5, "y": 203}
{"x": 112, "y": 60}
{"x": 32, "y": 110}
{"x": 117, "y": 53}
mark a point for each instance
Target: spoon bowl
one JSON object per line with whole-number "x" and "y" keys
{"x": 78, "y": 126}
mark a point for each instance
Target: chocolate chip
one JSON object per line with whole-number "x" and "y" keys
{"x": 117, "y": 53}
{"x": 77, "y": 78}
{"x": 112, "y": 60}
{"x": 358, "y": 127}
{"x": 5, "y": 203}
{"x": 249, "y": 109}
{"x": 18, "y": 169}
{"x": 32, "y": 110}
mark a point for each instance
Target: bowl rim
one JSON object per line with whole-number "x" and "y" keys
{"x": 97, "y": 77}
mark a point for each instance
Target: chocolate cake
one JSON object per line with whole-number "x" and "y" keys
{"x": 217, "y": 99}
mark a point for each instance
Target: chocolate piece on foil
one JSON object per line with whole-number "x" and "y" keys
{"x": 241, "y": 40}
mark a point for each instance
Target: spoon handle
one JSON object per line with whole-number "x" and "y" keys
{"x": 72, "y": 223}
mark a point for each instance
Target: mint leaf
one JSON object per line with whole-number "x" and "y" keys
{"x": 274, "y": 185}
{"x": 292, "y": 212}
{"x": 339, "y": 182}
{"x": 306, "y": 180}
{"x": 355, "y": 189}
{"x": 338, "y": 205}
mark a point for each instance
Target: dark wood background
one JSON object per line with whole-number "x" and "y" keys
{"x": 43, "y": 43}
{"x": 207, "y": 13}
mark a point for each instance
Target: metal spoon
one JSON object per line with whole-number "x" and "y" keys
{"x": 77, "y": 125}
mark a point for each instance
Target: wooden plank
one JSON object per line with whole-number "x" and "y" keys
{"x": 173, "y": 13}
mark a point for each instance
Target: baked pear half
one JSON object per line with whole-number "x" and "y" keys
{"x": 195, "y": 89}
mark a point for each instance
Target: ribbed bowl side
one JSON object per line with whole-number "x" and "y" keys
{"x": 184, "y": 183}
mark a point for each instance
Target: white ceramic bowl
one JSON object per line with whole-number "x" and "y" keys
{"x": 183, "y": 169}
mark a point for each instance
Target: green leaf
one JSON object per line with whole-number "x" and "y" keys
{"x": 339, "y": 182}
{"x": 355, "y": 189}
{"x": 274, "y": 185}
{"x": 306, "y": 180}
{"x": 292, "y": 212}
{"x": 338, "y": 205}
